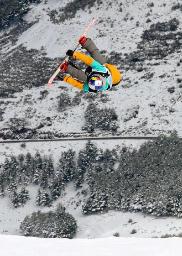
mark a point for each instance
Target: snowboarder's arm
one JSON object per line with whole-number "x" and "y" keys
{"x": 70, "y": 80}
{"x": 116, "y": 74}
{"x": 84, "y": 58}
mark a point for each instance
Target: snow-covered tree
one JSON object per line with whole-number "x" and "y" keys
{"x": 38, "y": 166}
{"x": 19, "y": 199}
{"x": 50, "y": 224}
{"x": 28, "y": 165}
{"x": 56, "y": 187}
{"x": 15, "y": 199}
{"x": 100, "y": 119}
{"x": 43, "y": 198}
{"x": 85, "y": 162}
{"x": 67, "y": 165}
{"x": 23, "y": 196}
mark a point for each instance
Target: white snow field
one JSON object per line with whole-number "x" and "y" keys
{"x": 93, "y": 226}
{"x": 21, "y": 246}
{"x": 137, "y": 232}
{"x": 113, "y": 31}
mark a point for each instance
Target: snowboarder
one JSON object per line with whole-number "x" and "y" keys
{"x": 98, "y": 76}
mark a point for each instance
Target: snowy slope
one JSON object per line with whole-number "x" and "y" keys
{"x": 158, "y": 110}
{"x": 116, "y": 30}
{"x": 98, "y": 247}
{"x": 93, "y": 226}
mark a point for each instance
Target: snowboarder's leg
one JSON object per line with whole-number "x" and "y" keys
{"x": 76, "y": 73}
{"x": 87, "y": 60}
{"x": 70, "y": 80}
{"x": 94, "y": 51}
{"x": 72, "y": 75}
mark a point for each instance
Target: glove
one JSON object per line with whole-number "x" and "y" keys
{"x": 82, "y": 40}
{"x": 60, "y": 76}
{"x": 88, "y": 70}
{"x": 70, "y": 53}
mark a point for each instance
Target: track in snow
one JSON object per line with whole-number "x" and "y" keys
{"x": 82, "y": 139}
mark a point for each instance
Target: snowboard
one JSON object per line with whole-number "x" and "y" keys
{"x": 52, "y": 78}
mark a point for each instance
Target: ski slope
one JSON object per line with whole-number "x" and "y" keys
{"x": 21, "y": 246}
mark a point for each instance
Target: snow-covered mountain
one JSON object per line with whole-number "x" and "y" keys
{"x": 144, "y": 39}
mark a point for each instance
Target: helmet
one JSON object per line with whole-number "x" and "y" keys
{"x": 95, "y": 83}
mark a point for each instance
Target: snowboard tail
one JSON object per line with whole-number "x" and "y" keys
{"x": 58, "y": 70}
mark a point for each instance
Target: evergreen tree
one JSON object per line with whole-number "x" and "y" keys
{"x": 44, "y": 179}
{"x": 5, "y": 173}
{"x": 29, "y": 168}
{"x": 2, "y": 190}
{"x": 21, "y": 170}
{"x": 49, "y": 224}
{"x": 50, "y": 167}
{"x": 67, "y": 165}
{"x": 109, "y": 158}
{"x": 11, "y": 169}
{"x": 19, "y": 199}
{"x": 56, "y": 188}
{"x": 2, "y": 184}
{"x": 15, "y": 199}
{"x": 47, "y": 172}
{"x": 23, "y": 196}
{"x": 38, "y": 198}
{"x": 102, "y": 119}
{"x": 12, "y": 187}
{"x": 97, "y": 202}
{"x": 38, "y": 166}
{"x": 43, "y": 198}
{"x": 86, "y": 159}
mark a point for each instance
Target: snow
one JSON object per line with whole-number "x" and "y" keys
{"x": 93, "y": 226}
{"x": 10, "y": 224}
{"x": 55, "y": 149}
{"x": 107, "y": 224}
{"x": 97, "y": 247}
{"x": 56, "y": 40}
{"x": 10, "y": 218}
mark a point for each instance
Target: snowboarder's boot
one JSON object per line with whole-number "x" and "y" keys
{"x": 90, "y": 46}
